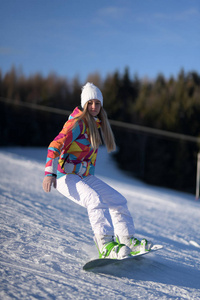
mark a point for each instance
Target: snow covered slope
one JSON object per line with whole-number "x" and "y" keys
{"x": 46, "y": 239}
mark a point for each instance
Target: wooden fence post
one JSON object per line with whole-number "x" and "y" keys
{"x": 198, "y": 176}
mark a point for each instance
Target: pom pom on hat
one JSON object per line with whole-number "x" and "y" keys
{"x": 90, "y": 92}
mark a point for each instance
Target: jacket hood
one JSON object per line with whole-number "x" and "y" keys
{"x": 76, "y": 112}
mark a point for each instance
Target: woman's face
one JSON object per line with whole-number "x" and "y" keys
{"x": 94, "y": 107}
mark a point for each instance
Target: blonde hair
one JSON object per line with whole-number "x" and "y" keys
{"x": 106, "y": 131}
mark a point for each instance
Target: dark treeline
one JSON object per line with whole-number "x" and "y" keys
{"x": 169, "y": 104}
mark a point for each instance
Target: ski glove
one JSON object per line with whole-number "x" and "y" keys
{"x": 48, "y": 182}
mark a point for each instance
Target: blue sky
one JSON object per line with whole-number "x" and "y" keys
{"x": 81, "y": 37}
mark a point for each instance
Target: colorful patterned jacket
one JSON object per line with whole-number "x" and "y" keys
{"x": 71, "y": 151}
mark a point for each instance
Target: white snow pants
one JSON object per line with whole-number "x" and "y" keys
{"x": 107, "y": 209}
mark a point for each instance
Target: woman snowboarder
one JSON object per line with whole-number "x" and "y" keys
{"x": 70, "y": 168}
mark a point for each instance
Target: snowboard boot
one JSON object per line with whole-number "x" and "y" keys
{"x": 108, "y": 248}
{"x": 135, "y": 245}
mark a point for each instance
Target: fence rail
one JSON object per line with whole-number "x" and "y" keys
{"x": 120, "y": 124}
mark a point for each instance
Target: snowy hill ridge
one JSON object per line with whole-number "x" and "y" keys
{"x": 46, "y": 239}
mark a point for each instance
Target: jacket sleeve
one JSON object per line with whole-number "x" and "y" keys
{"x": 68, "y": 134}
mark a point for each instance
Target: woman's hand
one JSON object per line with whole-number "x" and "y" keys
{"x": 48, "y": 182}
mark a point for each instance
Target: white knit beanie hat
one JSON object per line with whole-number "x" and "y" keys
{"x": 90, "y": 92}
